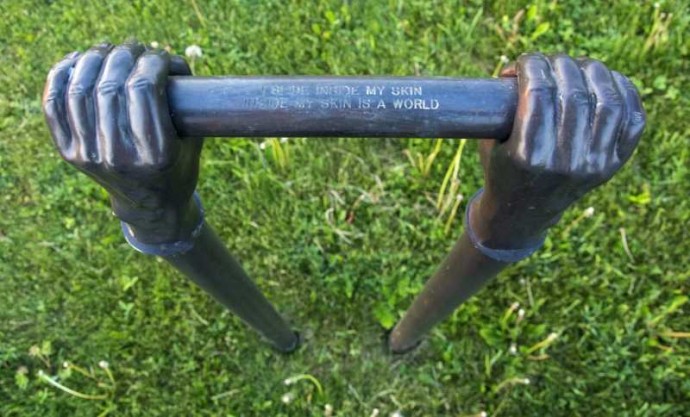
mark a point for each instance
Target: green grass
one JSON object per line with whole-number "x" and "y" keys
{"x": 72, "y": 291}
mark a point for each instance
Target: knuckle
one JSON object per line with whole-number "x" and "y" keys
{"x": 141, "y": 85}
{"x": 634, "y": 129}
{"x": 534, "y": 61}
{"x": 590, "y": 64}
{"x": 54, "y": 72}
{"x": 51, "y": 94}
{"x": 108, "y": 88}
{"x": 541, "y": 88}
{"x": 121, "y": 55}
{"x": 78, "y": 90}
{"x": 50, "y": 104}
{"x": 124, "y": 50}
{"x": 610, "y": 110}
{"x": 560, "y": 60}
{"x": 90, "y": 57}
{"x": 638, "y": 118}
{"x": 618, "y": 76}
{"x": 529, "y": 56}
{"x": 610, "y": 97}
{"x": 156, "y": 57}
{"x": 577, "y": 99}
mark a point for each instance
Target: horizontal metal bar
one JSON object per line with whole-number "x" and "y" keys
{"x": 343, "y": 106}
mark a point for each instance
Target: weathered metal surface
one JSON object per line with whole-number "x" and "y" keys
{"x": 343, "y": 106}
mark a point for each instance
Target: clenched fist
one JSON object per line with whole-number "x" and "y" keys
{"x": 108, "y": 114}
{"x": 576, "y": 124}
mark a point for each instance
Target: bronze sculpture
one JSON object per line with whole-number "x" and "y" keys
{"x": 108, "y": 118}
{"x": 575, "y": 124}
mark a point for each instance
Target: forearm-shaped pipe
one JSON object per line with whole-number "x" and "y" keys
{"x": 343, "y": 106}
{"x": 210, "y": 266}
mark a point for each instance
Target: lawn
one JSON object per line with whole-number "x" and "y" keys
{"x": 342, "y": 233}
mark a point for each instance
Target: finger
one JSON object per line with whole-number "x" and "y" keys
{"x": 152, "y": 128}
{"x": 114, "y": 136}
{"x": 178, "y": 66}
{"x": 634, "y": 119}
{"x": 54, "y": 107}
{"x": 81, "y": 112}
{"x": 533, "y": 137}
{"x": 573, "y": 133}
{"x": 607, "y": 109}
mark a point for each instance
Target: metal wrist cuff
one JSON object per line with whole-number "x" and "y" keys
{"x": 167, "y": 249}
{"x": 501, "y": 255}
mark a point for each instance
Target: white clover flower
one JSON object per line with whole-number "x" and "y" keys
{"x": 514, "y": 306}
{"x": 154, "y": 45}
{"x": 526, "y": 381}
{"x": 521, "y": 314}
{"x": 483, "y": 414}
{"x": 65, "y": 364}
{"x": 397, "y": 413}
{"x": 287, "y": 397}
{"x": 513, "y": 349}
{"x": 589, "y": 212}
{"x": 552, "y": 337}
{"x": 328, "y": 410}
{"x": 103, "y": 364}
{"x": 656, "y": 5}
{"x": 262, "y": 145}
{"x": 193, "y": 52}
{"x": 504, "y": 59}
{"x": 375, "y": 412}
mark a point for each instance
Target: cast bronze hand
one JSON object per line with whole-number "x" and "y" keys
{"x": 108, "y": 114}
{"x": 576, "y": 124}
